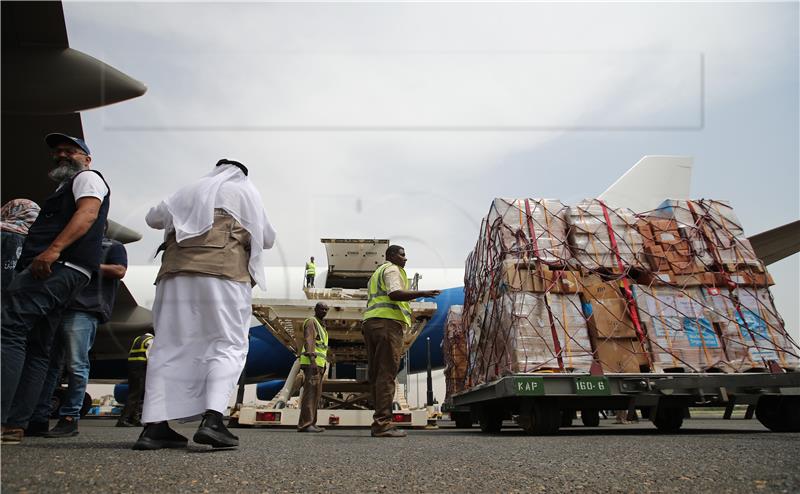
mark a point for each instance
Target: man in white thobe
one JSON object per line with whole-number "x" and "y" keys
{"x": 215, "y": 233}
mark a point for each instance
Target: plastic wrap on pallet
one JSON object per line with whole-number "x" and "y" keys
{"x": 454, "y": 351}
{"x": 543, "y": 238}
{"x": 679, "y": 329}
{"x": 753, "y": 332}
{"x": 714, "y": 231}
{"x": 590, "y": 240}
{"x": 519, "y": 337}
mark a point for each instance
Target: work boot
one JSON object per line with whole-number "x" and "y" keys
{"x": 12, "y": 435}
{"x": 158, "y": 436}
{"x": 37, "y": 428}
{"x": 389, "y": 433}
{"x": 311, "y": 428}
{"x": 212, "y": 431}
{"x": 66, "y": 427}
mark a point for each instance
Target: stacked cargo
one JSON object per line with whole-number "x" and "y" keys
{"x": 665, "y": 249}
{"x": 602, "y": 238}
{"x": 521, "y": 307}
{"x": 454, "y": 351}
{"x": 679, "y": 289}
{"x": 679, "y": 329}
{"x": 715, "y": 233}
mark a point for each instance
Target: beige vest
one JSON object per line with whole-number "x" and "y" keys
{"x": 223, "y": 251}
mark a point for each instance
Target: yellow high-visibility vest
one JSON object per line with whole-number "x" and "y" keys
{"x": 380, "y": 305}
{"x": 320, "y": 342}
{"x": 139, "y": 348}
{"x": 311, "y": 268}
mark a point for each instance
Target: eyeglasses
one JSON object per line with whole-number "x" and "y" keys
{"x": 69, "y": 151}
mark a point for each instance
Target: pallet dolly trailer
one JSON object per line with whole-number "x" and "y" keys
{"x": 541, "y": 403}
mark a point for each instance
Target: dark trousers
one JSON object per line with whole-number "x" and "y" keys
{"x": 384, "y": 340}
{"x": 310, "y": 280}
{"x": 31, "y": 314}
{"x": 137, "y": 370}
{"x": 312, "y": 392}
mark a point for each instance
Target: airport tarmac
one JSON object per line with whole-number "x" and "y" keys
{"x": 709, "y": 455}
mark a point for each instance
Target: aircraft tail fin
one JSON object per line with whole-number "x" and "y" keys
{"x": 650, "y": 181}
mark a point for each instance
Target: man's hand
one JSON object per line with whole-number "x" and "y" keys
{"x": 431, "y": 293}
{"x": 40, "y": 266}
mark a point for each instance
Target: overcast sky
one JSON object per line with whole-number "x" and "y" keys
{"x": 404, "y": 120}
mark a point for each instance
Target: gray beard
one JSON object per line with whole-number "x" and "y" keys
{"x": 64, "y": 171}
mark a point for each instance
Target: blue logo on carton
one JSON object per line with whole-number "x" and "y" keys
{"x": 700, "y": 332}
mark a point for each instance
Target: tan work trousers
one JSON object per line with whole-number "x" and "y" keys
{"x": 312, "y": 392}
{"x": 384, "y": 340}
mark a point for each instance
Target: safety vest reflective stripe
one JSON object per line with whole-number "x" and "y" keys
{"x": 311, "y": 268}
{"x": 320, "y": 343}
{"x": 138, "y": 350}
{"x": 379, "y": 305}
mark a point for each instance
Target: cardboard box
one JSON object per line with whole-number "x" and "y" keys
{"x": 757, "y": 338}
{"x": 606, "y": 309}
{"x": 621, "y": 355}
{"x": 679, "y": 329}
{"x": 528, "y": 277}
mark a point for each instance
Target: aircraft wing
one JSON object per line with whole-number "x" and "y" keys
{"x": 44, "y": 84}
{"x": 778, "y": 243}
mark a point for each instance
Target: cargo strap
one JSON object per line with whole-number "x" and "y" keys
{"x": 553, "y": 331}
{"x": 626, "y": 287}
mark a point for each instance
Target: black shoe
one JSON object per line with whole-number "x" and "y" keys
{"x": 37, "y": 428}
{"x": 213, "y": 432}
{"x": 127, "y": 423}
{"x": 389, "y": 433}
{"x": 311, "y": 428}
{"x": 158, "y": 436}
{"x": 66, "y": 427}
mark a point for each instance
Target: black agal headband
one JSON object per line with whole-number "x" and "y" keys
{"x": 238, "y": 165}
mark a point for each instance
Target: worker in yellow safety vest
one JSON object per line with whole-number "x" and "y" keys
{"x": 311, "y": 272}
{"x": 387, "y": 316}
{"x": 137, "y": 370}
{"x": 313, "y": 359}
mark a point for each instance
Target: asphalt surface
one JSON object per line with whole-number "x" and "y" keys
{"x": 709, "y": 455}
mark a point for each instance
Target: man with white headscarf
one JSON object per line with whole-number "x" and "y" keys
{"x": 215, "y": 233}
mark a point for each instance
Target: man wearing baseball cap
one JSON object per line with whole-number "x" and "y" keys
{"x": 62, "y": 250}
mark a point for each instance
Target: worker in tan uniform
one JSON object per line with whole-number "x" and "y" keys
{"x": 387, "y": 316}
{"x": 313, "y": 361}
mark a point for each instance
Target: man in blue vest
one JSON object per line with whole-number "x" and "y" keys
{"x": 62, "y": 249}
{"x": 313, "y": 360}
{"x": 387, "y": 316}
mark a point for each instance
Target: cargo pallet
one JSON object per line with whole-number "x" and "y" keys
{"x": 541, "y": 403}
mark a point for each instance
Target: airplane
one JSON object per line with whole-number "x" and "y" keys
{"x": 38, "y": 98}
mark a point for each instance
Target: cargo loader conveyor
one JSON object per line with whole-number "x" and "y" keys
{"x": 540, "y": 402}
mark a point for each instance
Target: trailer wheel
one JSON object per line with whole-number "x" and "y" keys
{"x": 590, "y": 417}
{"x": 463, "y": 420}
{"x": 540, "y": 420}
{"x": 668, "y": 419}
{"x": 779, "y": 413}
{"x": 491, "y": 420}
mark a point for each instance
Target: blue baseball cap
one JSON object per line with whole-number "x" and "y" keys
{"x": 56, "y": 138}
